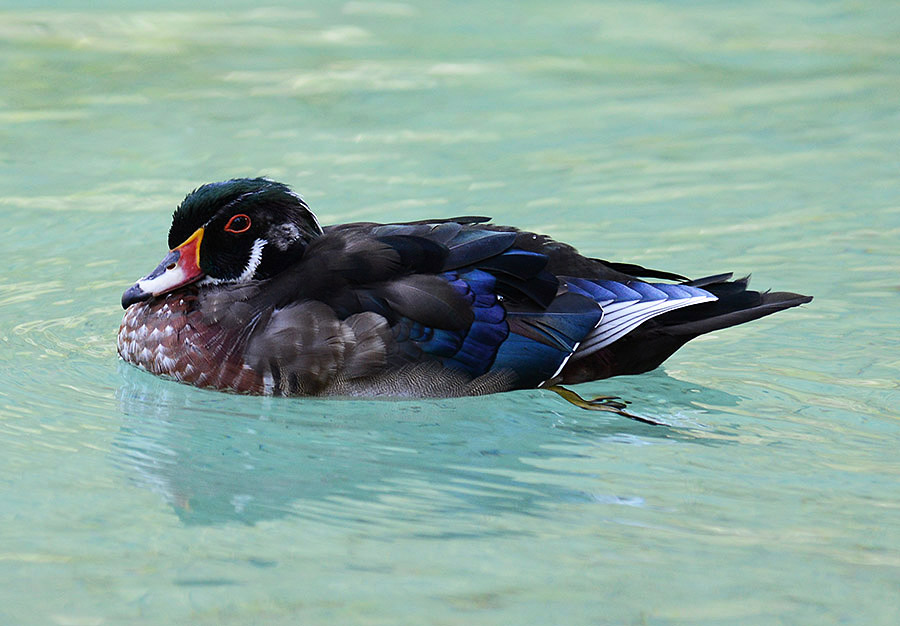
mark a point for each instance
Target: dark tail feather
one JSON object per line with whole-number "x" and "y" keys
{"x": 646, "y": 347}
{"x": 717, "y": 278}
{"x": 731, "y": 311}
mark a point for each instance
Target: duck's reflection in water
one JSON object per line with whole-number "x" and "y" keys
{"x": 218, "y": 457}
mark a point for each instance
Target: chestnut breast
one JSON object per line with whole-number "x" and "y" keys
{"x": 169, "y": 337}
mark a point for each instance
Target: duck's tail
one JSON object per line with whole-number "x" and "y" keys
{"x": 655, "y": 340}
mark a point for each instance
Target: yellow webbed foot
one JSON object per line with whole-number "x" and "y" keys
{"x": 611, "y": 404}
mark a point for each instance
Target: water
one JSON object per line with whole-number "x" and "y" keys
{"x": 695, "y": 137}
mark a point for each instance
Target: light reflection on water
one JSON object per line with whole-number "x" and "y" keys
{"x": 214, "y": 462}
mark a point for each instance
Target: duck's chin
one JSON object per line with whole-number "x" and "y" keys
{"x": 211, "y": 285}
{"x": 209, "y": 281}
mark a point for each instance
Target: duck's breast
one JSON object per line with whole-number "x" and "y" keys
{"x": 169, "y": 337}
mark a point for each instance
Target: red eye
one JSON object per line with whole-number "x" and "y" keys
{"x": 238, "y": 224}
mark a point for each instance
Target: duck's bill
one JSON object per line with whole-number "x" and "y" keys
{"x": 180, "y": 267}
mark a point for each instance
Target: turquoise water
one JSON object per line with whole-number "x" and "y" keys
{"x": 696, "y": 137}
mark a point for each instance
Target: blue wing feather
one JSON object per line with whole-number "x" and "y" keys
{"x": 495, "y": 306}
{"x": 469, "y": 247}
{"x": 540, "y": 343}
{"x": 471, "y": 350}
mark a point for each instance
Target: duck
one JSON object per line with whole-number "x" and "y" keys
{"x": 256, "y": 297}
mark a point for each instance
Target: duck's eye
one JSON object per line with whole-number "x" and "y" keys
{"x": 238, "y": 224}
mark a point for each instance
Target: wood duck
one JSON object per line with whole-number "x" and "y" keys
{"x": 256, "y": 297}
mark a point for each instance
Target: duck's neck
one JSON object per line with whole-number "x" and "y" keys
{"x": 275, "y": 259}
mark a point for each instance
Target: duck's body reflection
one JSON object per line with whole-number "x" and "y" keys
{"x": 219, "y": 457}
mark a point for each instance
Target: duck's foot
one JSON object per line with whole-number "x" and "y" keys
{"x": 612, "y": 404}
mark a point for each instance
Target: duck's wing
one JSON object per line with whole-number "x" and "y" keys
{"x": 451, "y": 293}
{"x": 466, "y": 300}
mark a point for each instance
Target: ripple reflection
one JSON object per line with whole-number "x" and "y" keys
{"x": 216, "y": 457}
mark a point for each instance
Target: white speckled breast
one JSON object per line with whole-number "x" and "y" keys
{"x": 169, "y": 337}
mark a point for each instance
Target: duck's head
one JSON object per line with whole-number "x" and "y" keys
{"x": 231, "y": 232}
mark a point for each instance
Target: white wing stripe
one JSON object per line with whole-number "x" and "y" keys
{"x": 620, "y": 318}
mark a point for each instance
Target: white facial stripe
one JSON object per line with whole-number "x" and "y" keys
{"x": 253, "y": 262}
{"x": 247, "y": 275}
{"x": 164, "y": 282}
